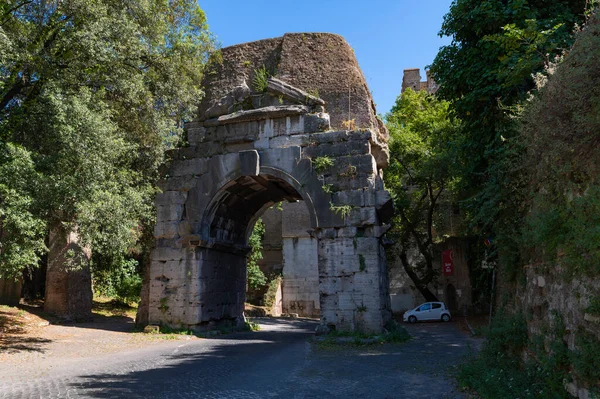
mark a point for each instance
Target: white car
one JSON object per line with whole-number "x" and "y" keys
{"x": 428, "y": 311}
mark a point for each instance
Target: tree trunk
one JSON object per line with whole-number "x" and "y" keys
{"x": 419, "y": 283}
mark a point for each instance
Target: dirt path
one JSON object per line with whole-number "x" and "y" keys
{"x": 28, "y": 335}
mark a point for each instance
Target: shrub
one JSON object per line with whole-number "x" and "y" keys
{"x": 117, "y": 279}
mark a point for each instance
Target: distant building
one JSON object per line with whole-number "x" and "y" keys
{"x": 412, "y": 79}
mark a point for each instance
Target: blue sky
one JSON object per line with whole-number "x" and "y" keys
{"x": 388, "y": 36}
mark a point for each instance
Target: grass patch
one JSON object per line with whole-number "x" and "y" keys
{"x": 499, "y": 372}
{"x": 109, "y": 307}
{"x": 395, "y": 334}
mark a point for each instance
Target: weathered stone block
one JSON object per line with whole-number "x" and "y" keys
{"x": 181, "y": 183}
{"x": 288, "y": 141}
{"x": 316, "y": 123}
{"x": 196, "y": 135}
{"x": 360, "y": 181}
{"x": 189, "y": 167}
{"x": 209, "y": 149}
{"x": 338, "y": 149}
{"x": 165, "y": 253}
{"x": 250, "y": 163}
{"x": 362, "y": 216}
{"x": 169, "y": 213}
{"x": 166, "y": 229}
{"x": 353, "y": 198}
{"x": 171, "y": 198}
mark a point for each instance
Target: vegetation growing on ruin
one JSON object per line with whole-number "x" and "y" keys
{"x": 260, "y": 79}
{"x": 530, "y": 180}
{"x": 271, "y": 293}
{"x": 342, "y": 210}
{"x": 487, "y": 73}
{"x": 321, "y": 164}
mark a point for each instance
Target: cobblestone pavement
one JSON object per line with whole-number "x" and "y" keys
{"x": 277, "y": 362}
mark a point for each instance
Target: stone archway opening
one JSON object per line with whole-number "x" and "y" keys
{"x": 234, "y": 210}
{"x": 289, "y": 261}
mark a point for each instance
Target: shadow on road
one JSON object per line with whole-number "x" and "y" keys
{"x": 234, "y": 365}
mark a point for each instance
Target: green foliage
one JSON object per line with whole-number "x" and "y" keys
{"x": 594, "y": 307}
{"x": 272, "y": 291}
{"x": 487, "y": 73}
{"x": 252, "y": 326}
{"x": 256, "y": 278}
{"x": 328, "y": 188}
{"x": 423, "y": 173}
{"x": 320, "y": 164}
{"x": 342, "y": 210}
{"x": 499, "y": 372}
{"x": 395, "y": 334}
{"x": 117, "y": 278}
{"x": 566, "y": 229}
{"x": 313, "y": 92}
{"x": 586, "y": 357}
{"x": 260, "y": 80}
{"x": 560, "y": 133}
{"x": 21, "y": 230}
{"x": 94, "y": 93}
{"x": 362, "y": 263}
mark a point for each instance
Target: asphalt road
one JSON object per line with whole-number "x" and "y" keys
{"x": 277, "y": 362}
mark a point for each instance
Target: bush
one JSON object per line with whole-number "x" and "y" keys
{"x": 499, "y": 371}
{"x": 118, "y": 279}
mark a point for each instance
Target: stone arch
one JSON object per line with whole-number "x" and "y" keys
{"x": 271, "y": 175}
{"x": 248, "y": 150}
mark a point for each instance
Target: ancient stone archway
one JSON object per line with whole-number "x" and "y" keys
{"x": 251, "y": 148}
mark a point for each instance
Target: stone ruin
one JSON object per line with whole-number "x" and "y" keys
{"x": 285, "y": 119}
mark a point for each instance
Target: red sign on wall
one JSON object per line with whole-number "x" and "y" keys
{"x": 447, "y": 263}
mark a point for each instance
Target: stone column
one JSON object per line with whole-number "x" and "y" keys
{"x": 68, "y": 278}
{"x": 10, "y": 291}
{"x": 352, "y": 281}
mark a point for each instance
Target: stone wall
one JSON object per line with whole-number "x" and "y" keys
{"x": 300, "y": 262}
{"x": 412, "y": 79}
{"x": 318, "y": 63}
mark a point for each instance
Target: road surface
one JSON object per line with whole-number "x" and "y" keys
{"x": 277, "y": 362}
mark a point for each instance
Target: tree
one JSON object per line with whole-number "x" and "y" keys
{"x": 421, "y": 177}
{"x": 487, "y": 72}
{"x": 21, "y": 232}
{"x": 256, "y": 278}
{"x": 94, "y": 92}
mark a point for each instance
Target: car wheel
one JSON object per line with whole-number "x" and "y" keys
{"x": 445, "y": 317}
{"x": 412, "y": 319}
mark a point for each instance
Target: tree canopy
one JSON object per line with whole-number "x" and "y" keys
{"x": 424, "y": 140}
{"x": 487, "y": 72}
{"x": 91, "y": 93}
